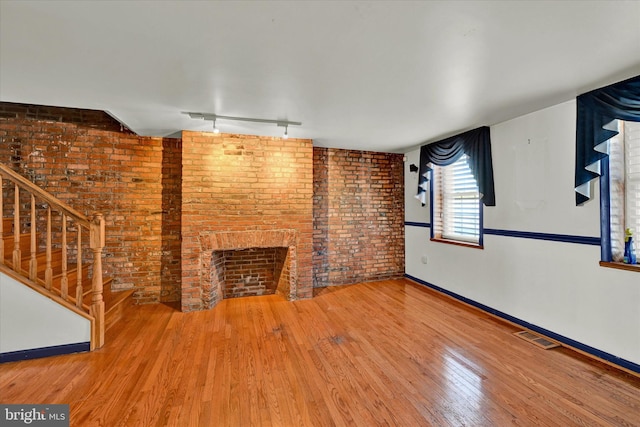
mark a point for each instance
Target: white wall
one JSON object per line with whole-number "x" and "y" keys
{"x": 554, "y": 285}
{"x": 29, "y": 320}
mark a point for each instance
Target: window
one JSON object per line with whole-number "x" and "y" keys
{"x": 456, "y": 207}
{"x": 624, "y": 187}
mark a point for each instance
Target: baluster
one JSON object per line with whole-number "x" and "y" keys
{"x": 96, "y": 243}
{"x": 48, "y": 272}
{"x": 17, "y": 253}
{"x": 2, "y": 221}
{"x": 79, "y": 290}
{"x": 64, "y": 281}
{"x": 33, "y": 262}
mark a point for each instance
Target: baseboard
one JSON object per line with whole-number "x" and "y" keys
{"x": 589, "y": 351}
{"x": 37, "y": 353}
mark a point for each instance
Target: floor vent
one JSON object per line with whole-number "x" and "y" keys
{"x": 538, "y": 340}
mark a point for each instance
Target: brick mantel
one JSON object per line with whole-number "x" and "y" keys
{"x": 223, "y": 240}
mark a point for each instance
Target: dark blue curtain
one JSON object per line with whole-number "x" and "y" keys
{"x": 476, "y": 144}
{"x": 595, "y": 110}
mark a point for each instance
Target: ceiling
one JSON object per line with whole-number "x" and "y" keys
{"x": 371, "y": 75}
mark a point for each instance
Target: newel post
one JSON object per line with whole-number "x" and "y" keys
{"x": 96, "y": 243}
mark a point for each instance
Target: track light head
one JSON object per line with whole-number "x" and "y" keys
{"x": 286, "y": 132}
{"x": 215, "y": 129}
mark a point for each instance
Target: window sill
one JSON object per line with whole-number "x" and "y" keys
{"x": 457, "y": 243}
{"x": 621, "y": 266}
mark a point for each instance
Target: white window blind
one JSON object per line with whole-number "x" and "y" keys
{"x": 632, "y": 177}
{"x": 456, "y": 203}
{"x": 624, "y": 173}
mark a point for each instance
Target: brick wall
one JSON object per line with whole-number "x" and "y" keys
{"x": 90, "y": 119}
{"x": 320, "y": 217}
{"x": 171, "y": 229}
{"x": 84, "y": 158}
{"x": 346, "y": 205}
{"x": 244, "y": 183}
{"x": 358, "y": 215}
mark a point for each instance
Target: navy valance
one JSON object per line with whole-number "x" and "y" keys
{"x": 596, "y": 110}
{"x": 476, "y": 144}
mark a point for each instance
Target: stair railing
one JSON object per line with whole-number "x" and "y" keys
{"x": 93, "y": 225}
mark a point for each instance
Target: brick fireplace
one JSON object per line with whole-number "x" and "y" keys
{"x": 245, "y": 199}
{"x": 248, "y": 263}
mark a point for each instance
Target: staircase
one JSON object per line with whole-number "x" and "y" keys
{"x": 57, "y": 251}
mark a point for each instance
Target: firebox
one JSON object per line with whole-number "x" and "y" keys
{"x": 247, "y": 263}
{"x": 250, "y": 272}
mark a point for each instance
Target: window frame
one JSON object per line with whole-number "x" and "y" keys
{"x": 433, "y": 237}
{"x": 606, "y": 254}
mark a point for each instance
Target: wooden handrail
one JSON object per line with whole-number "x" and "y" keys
{"x": 24, "y": 183}
{"x": 94, "y": 225}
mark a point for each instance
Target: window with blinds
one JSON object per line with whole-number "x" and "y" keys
{"x": 456, "y": 203}
{"x": 624, "y": 176}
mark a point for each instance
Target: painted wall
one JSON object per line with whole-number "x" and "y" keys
{"x": 29, "y": 320}
{"x": 553, "y": 285}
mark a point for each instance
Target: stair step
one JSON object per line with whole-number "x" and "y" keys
{"x": 25, "y": 250}
{"x": 72, "y": 282}
{"x": 25, "y": 243}
{"x": 7, "y": 225}
{"x": 86, "y": 294}
{"x": 107, "y": 295}
{"x": 41, "y": 258}
{"x": 116, "y": 306}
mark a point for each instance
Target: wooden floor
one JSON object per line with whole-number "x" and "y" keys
{"x": 383, "y": 353}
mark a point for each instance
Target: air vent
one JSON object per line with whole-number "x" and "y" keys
{"x": 538, "y": 340}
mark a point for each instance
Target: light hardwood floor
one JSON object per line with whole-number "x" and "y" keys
{"x": 382, "y": 353}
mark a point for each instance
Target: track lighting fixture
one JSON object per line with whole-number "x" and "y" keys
{"x": 214, "y": 117}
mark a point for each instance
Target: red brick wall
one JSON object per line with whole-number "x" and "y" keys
{"x": 358, "y": 216}
{"x": 171, "y": 229}
{"x": 83, "y": 158}
{"x": 90, "y": 119}
{"x": 242, "y": 183}
{"x": 320, "y": 217}
{"x": 346, "y": 205}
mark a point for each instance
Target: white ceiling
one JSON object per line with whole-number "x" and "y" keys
{"x": 370, "y": 75}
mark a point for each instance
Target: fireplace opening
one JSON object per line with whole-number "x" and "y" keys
{"x": 251, "y": 271}
{"x": 245, "y": 263}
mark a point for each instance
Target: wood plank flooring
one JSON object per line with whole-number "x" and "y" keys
{"x": 383, "y": 353}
